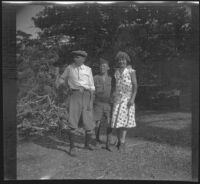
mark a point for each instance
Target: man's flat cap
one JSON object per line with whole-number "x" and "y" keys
{"x": 80, "y": 53}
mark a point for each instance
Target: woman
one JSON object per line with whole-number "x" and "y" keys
{"x": 123, "y": 114}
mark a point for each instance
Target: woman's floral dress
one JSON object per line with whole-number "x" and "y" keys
{"x": 122, "y": 116}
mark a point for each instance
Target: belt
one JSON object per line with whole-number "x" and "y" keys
{"x": 81, "y": 90}
{"x": 105, "y": 100}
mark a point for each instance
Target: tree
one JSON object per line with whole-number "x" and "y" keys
{"x": 147, "y": 33}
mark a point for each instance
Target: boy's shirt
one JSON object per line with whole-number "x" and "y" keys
{"x": 102, "y": 88}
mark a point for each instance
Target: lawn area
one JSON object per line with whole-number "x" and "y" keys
{"x": 159, "y": 148}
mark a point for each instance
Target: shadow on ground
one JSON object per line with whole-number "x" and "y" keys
{"x": 164, "y": 127}
{"x": 161, "y": 135}
{"x": 59, "y": 141}
{"x": 174, "y": 130}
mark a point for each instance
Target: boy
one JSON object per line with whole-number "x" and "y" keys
{"x": 102, "y": 102}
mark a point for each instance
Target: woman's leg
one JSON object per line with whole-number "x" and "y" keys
{"x": 124, "y": 132}
{"x": 118, "y": 131}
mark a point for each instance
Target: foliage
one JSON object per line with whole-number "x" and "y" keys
{"x": 40, "y": 107}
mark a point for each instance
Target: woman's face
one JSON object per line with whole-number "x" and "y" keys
{"x": 122, "y": 63}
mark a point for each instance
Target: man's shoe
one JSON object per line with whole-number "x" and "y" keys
{"x": 121, "y": 146}
{"x": 108, "y": 148}
{"x": 71, "y": 141}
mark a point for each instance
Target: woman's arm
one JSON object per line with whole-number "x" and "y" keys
{"x": 134, "y": 84}
{"x": 113, "y": 89}
{"x": 134, "y": 88}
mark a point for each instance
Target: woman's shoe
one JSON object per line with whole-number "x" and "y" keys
{"x": 121, "y": 146}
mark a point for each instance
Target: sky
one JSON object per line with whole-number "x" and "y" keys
{"x": 23, "y": 19}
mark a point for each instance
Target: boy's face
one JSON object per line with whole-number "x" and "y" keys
{"x": 104, "y": 68}
{"x": 79, "y": 60}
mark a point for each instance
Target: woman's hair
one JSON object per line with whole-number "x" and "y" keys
{"x": 123, "y": 55}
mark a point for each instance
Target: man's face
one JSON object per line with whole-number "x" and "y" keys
{"x": 104, "y": 68}
{"x": 79, "y": 60}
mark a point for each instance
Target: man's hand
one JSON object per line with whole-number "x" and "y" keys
{"x": 90, "y": 106}
{"x": 59, "y": 82}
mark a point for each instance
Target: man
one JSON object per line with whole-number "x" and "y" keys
{"x": 102, "y": 103}
{"x": 80, "y": 81}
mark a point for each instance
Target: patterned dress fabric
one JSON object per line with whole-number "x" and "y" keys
{"x": 123, "y": 116}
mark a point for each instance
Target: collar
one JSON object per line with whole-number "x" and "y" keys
{"x": 80, "y": 67}
{"x": 103, "y": 75}
{"x": 125, "y": 70}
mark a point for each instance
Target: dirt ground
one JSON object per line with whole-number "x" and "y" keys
{"x": 159, "y": 148}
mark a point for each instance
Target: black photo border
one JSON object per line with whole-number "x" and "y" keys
{"x": 9, "y": 85}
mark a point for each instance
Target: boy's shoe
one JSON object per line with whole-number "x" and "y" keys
{"x": 121, "y": 146}
{"x": 108, "y": 140}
